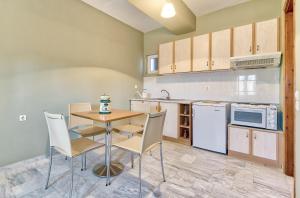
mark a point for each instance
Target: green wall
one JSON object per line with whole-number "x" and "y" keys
{"x": 54, "y": 52}
{"x": 252, "y": 11}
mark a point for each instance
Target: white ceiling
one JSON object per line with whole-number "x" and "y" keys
{"x": 202, "y": 7}
{"x": 127, "y": 13}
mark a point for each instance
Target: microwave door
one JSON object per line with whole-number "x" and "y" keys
{"x": 250, "y": 117}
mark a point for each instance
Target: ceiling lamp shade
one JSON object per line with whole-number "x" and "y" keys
{"x": 168, "y": 10}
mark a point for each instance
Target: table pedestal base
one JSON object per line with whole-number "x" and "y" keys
{"x": 100, "y": 170}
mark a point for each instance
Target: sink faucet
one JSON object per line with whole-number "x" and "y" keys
{"x": 168, "y": 94}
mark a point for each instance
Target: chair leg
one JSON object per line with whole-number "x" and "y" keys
{"x": 72, "y": 174}
{"x": 85, "y": 161}
{"x": 49, "y": 169}
{"x": 140, "y": 175}
{"x": 162, "y": 163}
{"x": 82, "y": 162}
{"x": 132, "y": 157}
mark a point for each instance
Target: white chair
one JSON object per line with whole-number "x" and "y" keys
{"x": 152, "y": 135}
{"x": 61, "y": 142}
{"x": 81, "y": 126}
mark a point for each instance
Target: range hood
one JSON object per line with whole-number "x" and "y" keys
{"x": 256, "y": 61}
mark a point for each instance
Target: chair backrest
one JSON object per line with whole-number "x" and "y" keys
{"x": 58, "y": 133}
{"x": 75, "y": 121}
{"x": 153, "y": 130}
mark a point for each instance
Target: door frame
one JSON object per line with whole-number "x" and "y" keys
{"x": 289, "y": 83}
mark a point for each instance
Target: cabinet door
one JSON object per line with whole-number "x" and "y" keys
{"x": 220, "y": 50}
{"x": 152, "y": 107}
{"x": 242, "y": 40}
{"x": 201, "y": 53}
{"x": 267, "y": 36}
{"x": 138, "y": 106}
{"x": 183, "y": 56}
{"x": 165, "y": 59}
{"x": 171, "y": 121}
{"x": 264, "y": 145}
{"x": 239, "y": 140}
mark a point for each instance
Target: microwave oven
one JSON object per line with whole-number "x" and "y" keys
{"x": 260, "y": 116}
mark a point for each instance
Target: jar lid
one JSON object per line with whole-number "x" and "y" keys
{"x": 104, "y": 97}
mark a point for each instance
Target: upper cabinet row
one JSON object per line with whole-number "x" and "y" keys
{"x": 213, "y": 51}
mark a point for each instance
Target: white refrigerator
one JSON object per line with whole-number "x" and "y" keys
{"x": 210, "y": 122}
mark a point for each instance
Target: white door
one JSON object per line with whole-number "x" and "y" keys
{"x": 209, "y": 128}
{"x": 264, "y": 145}
{"x": 201, "y": 53}
{"x": 165, "y": 58}
{"x": 171, "y": 121}
{"x": 239, "y": 140}
{"x": 242, "y": 40}
{"x": 267, "y": 36}
{"x": 183, "y": 55}
{"x": 220, "y": 50}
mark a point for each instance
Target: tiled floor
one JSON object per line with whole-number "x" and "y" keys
{"x": 190, "y": 172}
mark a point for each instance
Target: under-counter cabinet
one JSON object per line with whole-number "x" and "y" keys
{"x": 183, "y": 55}
{"x": 239, "y": 140}
{"x": 171, "y": 120}
{"x": 166, "y": 58}
{"x": 264, "y": 144}
{"x": 267, "y": 36}
{"x": 221, "y": 49}
{"x": 243, "y": 40}
{"x": 201, "y": 53}
{"x": 254, "y": 144}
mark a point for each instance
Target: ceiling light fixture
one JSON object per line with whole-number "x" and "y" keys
{"x": 168, "y": 10}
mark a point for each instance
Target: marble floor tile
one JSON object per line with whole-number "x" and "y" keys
{"x": 190, "y": 172}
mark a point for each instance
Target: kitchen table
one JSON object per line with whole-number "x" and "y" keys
{"x": 108, "y": 169}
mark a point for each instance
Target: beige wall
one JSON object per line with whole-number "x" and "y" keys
{"x": 297, "y": 45}
{"x": 252, "y": 11}
{"x": 55, "y": 52}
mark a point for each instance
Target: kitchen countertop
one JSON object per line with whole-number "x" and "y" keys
{"x": 179, "y": 101}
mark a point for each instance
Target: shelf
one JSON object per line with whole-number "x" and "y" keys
{"x": 183, "y": 126}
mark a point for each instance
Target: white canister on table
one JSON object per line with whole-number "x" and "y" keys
{"x": 105, "y": 104}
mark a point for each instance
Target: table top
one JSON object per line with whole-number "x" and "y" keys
{"x": 116, "y": 114}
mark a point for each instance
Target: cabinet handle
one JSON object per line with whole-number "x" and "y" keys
{"x": 250, "y": 49}
{"x": 207, "y": 63}
{"x": 212, "y": 63}
{"x": 257, "y": 48}
{"x": 247, "y": 135}
{"x": 174, "y": 66}
{"x": 254, "y": 136}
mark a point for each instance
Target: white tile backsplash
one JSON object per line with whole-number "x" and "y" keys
{"x": 220, "y": 86}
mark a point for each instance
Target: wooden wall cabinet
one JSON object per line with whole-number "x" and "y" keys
{"x": 243, "y": 40}
{"x": 221, "y": 49}
{"x": 201, "y": 52}
{"x": 183, "y": 55}
{"x": 254, "y": 144}
{"x": 166, "y": 58}
{"x": 267, "y": 36}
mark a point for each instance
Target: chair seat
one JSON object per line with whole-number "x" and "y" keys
{"x": 90, "y": 131}
{"x": 133, "y": 144}
{"x": 129, "y": 128}
{"x": 82, "y": 145}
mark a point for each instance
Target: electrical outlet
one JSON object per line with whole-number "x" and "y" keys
{"x": 22, "y": 118}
